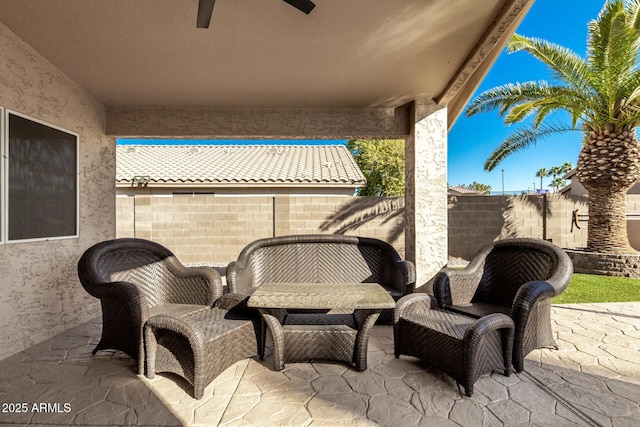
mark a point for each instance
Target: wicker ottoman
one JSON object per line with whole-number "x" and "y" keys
{"x": 463, "y": 347}
{"x": 197, "y": 346}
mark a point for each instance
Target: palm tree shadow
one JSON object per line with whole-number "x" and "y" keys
{"x": 365, "y": 210}
{"x": 512, "y": 224}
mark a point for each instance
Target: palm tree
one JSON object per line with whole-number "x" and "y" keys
{"x": 557, "y": 183}
{"x": 481, "y": 188}
{"x": 601, "y": 93}
{"x": 554, "y": 171}
{"x": 566, "y": 167}
{"x": 542, "y": 173}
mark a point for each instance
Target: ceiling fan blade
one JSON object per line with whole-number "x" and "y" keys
{"x": 305, "y": 6}
{"x": 205, "y": 9}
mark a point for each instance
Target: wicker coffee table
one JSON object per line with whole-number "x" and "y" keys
{"x": 320, "y": 320}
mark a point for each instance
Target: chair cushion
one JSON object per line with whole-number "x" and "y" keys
{"x": 479, "y": 309}
{"x": 442, "y": 321}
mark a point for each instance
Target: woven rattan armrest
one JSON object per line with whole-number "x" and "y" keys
{"x": 424, "y": 301}
{"x": 453, "y": 286}
{"x": 527, "y": 295}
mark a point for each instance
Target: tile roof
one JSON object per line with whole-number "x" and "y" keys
{"x": 462, "y": 190}
{"x": 238, "y": 164}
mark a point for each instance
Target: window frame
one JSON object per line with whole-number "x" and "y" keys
{"x": 5, "y": 114}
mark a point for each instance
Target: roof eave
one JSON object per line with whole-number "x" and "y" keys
{"x": 468, "y": 77}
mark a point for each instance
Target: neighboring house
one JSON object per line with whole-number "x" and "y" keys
{"x": 237, "y": 169}
{"x": 575, "y": 187}
{"x": 461, "y": 191}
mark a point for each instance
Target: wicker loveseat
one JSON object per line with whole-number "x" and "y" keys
{"x": 517, "y": 277}
{"x": 136, "y": 279}
{"x": 321, "y": 258}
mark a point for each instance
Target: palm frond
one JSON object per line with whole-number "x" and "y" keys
{"x": 566, "y": 65}
{"x": 520, "y": 95}
{"x": 613, "y": 47}
{"x": 516, "y": 102}
{"x": 520, "y": 112}
{"x": 633, "y": 11}
{"x": 505, "y": 97}
{"x": 628, "y": 100}
{"x": 521, "y": 139}
{"x": 542, "y": 113}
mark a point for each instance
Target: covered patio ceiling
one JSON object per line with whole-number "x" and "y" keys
{"x": 266, "y": 54}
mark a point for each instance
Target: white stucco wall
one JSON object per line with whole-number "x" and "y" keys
{"x": 40, "y": 295}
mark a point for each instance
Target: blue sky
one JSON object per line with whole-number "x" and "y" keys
{"x": 471, "y": 140}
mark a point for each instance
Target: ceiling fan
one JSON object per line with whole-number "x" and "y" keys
{"x": 205, "y": 9}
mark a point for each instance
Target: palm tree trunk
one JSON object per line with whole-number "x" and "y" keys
{"x": 609, "y": 164}
{"x": 608, "y": 221}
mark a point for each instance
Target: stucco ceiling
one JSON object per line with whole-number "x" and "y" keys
{"x": 256, "y": 53}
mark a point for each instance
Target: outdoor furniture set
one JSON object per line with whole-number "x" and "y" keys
{"x": 319, "y": 296}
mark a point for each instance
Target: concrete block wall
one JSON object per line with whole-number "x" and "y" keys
{"x": 361, "y": 216}
{"x": 471, "y": 221}
{"x": 559, "y": 219}
{"x": 204, "y": 228}
{"x": 475, "y": 221}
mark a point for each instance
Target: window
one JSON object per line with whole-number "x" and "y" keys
{"x": 39, "y": 180}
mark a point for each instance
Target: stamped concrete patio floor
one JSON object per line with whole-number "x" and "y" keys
{"x": 593, "y": 379}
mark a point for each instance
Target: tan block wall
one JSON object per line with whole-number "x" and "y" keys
{"x": 475, "y": 221}
{"x": 208, "y": 229}
{"x": 198, "y": 228}
{"x": 380, "y": 218}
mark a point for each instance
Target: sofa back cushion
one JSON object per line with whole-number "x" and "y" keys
{"x": 319, "y": 262}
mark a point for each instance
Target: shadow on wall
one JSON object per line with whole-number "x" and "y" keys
{"x": 513, "y": 222}
{"x": 476, "y": 221}
{"x": 389, "y": 212}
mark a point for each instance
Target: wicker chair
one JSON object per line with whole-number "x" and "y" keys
{"x": 136, "y": 279}
{"x": 517, "y": 277}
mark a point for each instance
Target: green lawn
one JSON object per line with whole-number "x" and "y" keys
{"x": 586, "y": 288}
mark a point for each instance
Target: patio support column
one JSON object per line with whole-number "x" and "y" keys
{"x": 426, "y": 190}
